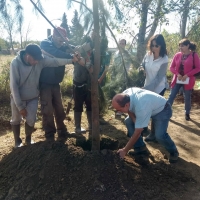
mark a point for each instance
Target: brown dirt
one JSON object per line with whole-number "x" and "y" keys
{"x": 70, "y": 171}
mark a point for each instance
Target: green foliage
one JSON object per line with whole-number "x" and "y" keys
{"x": 76, "y": 30}
{"x": 117, "y": 84}
{"x": 194, "y": 34}
{"x": 172, "y": 40}
{"x": 3, "y": 44}
{"x": 67, "y": 84}
{"x": 64, "y": 24}
{"x": 5, "y": 81}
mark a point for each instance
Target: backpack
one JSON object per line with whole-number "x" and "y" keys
{"x": 197, "y": 75}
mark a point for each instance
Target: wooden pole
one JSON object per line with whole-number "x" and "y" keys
{"x": 94, "y": 81}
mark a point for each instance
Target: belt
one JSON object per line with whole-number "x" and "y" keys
{"x": 80, "y": 86}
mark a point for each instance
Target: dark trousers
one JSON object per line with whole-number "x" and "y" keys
{"x": 81, "y": 95}
{"x": 51, "y": 106}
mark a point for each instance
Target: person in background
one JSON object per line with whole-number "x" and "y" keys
{"x": 141, "y": 105}
{"x": 25, "y": 71}
{"x": 155, "y": 65}
{"x": 121, "y": 66}
{"x": 104, "y": 62}
{"x": 117, "y": 59}
{"x": 184, "y": 65}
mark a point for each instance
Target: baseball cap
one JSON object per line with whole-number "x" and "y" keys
{"x": 62, "y": 31}
{"x": 35, "y": 51}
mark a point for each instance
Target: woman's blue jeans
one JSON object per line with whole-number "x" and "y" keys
{"x": 160, "y": 121}
{"x": 186, "y": 94}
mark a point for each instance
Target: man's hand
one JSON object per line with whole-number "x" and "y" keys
{"x": 122, "y": 153}
{"x": 75, "y": 58}
{"x": 81, "y": 61}
{"x": 179, "y": 77}
{"x": 23, "y": 112}
{"x": 100, "y": 80}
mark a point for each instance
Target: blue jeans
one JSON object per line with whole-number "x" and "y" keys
{"x": 131, "y": 128}
{"x": 186, "y": 94}
{"x": 160, "y": 121}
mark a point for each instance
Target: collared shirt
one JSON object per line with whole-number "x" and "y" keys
{"x": 144, "y": 104}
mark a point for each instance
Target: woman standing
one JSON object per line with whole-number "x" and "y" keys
{"x": 155, "y": 65}
{"x": 185, "y": 65}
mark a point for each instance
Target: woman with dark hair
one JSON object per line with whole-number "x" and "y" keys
{"x": 155, "y": 65}
{"x": 184, "y": 66}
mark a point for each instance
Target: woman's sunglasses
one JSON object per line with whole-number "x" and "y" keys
{"x": 154, "y": 46}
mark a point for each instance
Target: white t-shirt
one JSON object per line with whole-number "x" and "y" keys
{"x": 153, "y": 69}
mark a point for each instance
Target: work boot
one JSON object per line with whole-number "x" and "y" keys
{"x": 62, "y": 135}
{"x": 173, "y": 157}
{"x": 16, "y": 132}
{"x": 77, "y": 119}
{"x": 150, "y": 138}
{"x": 28, "y": 133}
{"x": 187, "y": 117}
{"x": 50, "y": 137}
{"x": 138, "y": 151}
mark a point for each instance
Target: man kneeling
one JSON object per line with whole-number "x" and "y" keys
{"x": 141, "y": 105}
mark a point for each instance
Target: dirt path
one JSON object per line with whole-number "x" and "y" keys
{"x": 65, "y": 171}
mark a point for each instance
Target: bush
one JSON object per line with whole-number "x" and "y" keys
{"x": 5, "y": 82}
{"x": 67, "y": 84}
{"x": 119, "y": 83}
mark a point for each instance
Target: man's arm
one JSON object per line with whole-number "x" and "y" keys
{"x": 14, "y": 85}
{"x": 104, "y": 74}
{"x": 48, "y": 47}
{"x": 159, "y": 77}
{"x": 55, "y": 62}
{"x": 106, "y": 63}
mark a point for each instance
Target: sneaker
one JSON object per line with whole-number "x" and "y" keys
{"x": 187, "y": 117}
{"x": 138, "y": 150}
{"x": 150, "y": 138}
{"x": 173, "y": 157}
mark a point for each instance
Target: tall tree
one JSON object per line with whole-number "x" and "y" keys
{"x": 64, "y": 24}
{"x": 188, "y": 11}
{"x": 9, "y": 22}
{"x": 76, "y": 30}
{"x": 151, "y": 13}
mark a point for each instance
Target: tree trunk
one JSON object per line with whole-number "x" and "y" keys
{"x": 157, "y": 16}
{"x": 94, "y": 81}
{"x": 184, "y": 18}
{"x": 141, "y": 45}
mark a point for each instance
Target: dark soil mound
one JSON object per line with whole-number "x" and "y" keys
{"x": 45, "y": 171}
{"x": 194, "y": 98}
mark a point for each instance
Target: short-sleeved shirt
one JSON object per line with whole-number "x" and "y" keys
{"x": 144, "y": 104}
